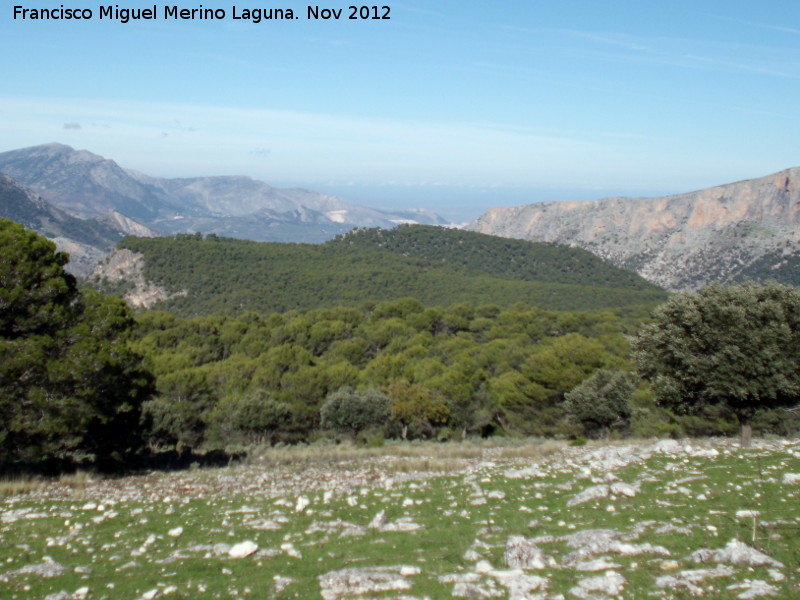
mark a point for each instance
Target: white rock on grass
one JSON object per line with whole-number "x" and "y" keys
{"x": 47, "y": 568}
{"x": 519, "y": 585}
{"x": 754, "y": 589}
{"x": 691, "y": 580}
{"x": 598, "y": 564}
{"x": 735, "y": 553}
{"x": 791, "y": 478}
{"x": 522, "y": 553}
{"x": 290, "y": 550}
{"x": 346, "y": 583}
{"x": 302, "y": 504}
{"x": 378, "y": 521}
{"x": 610, "y": 584}
{"x": 595, "y": 492}
{"x": 243, "y": 549}
{"x": 176, "y": 532}
{"x": 281, "y": 582}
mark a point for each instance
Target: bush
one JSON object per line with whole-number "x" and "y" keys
{"x": 601, "y": 401}
{"x": 349, "y": 411}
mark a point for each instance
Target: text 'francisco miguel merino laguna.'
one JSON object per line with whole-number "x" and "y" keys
{"x": 199, "y": 13}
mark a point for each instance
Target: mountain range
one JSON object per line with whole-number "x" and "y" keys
{"x": 86, "y": 203}
{"x": 88, "y": 186}
{"x": 744, "y": 230}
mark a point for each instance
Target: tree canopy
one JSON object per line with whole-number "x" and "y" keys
{"x": 215, "y": 275}
{"x": 737, "y": 346}
{"x": 69, "y": 386}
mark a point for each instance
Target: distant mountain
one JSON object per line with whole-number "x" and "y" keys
{"x": 86, "y": 240}
{"x": 87, "y": 185}
{"x": 190, "y": 274}
{"x": 748, "y": 229}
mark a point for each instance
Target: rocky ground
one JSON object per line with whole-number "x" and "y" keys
{"x": 660, "y": 519}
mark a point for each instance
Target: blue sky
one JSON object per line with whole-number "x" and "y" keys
{"x": 456, "y": 106}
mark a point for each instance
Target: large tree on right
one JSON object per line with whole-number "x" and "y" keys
{"x": 737, "y": 346}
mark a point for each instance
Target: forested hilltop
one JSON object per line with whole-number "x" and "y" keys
{"x": 436, "y": 266}
{"x": 85, "y": 380}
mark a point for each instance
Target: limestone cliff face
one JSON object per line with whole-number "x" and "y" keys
{"x": 123, "y": 271}
{"x": 679, "y": 242}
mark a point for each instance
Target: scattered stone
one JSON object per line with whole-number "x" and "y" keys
{"x": 776, "y": 575}
{"x": 345, "y": 528}
{"x": 598, "y": 564}
{"x": 472, "y": 556}
{"x": 522, "y": 553}
{"x": 47, "y": 568}
{"x": 526, "y": 473}
{"x": 747, "y": 514}
{"x": 302, "y": 504}
{"x": 243, "y": 549}
{"x": 666, "y": 447}
{"x": 281, "y": 583}
{"x": 354, "y": 582}
{"x": 290, "y": 550}
{"x": 593, "y": 493}
{"x": 177, "y": 532}
{"x": 690, "y": 580}
{"x": 378, "y": 520}
{"x": 610, "y": 584}
{"x": 519, "y": 585}
{"x": 791, "y": 478}
{"x": 735, "y": 553}
{"x": 621, "y": 488}
{"x": 472, "y": 590}
{"x": 754, "y": 589}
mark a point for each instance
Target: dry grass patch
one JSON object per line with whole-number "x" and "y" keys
{"x": 18, "y": 486}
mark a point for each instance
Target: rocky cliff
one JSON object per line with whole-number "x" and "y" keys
{"x": 122, "y": 272}
{"x": 745, "y": 229}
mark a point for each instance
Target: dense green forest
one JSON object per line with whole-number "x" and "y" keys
{"x": 506, "y": 257}
{"x": 226, "y": 276}
{"x": 83, "y": 379}
{"x": 485, "y": 368}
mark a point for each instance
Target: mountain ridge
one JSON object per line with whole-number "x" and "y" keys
{"x": 86, "y": 240}
{"x": 87, "y": 185}
{"x": 681, "y": 241}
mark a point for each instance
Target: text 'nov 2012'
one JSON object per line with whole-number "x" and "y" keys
{"x": 165, "y": 12}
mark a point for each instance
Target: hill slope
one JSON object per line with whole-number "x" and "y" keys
{"x": 225, "y": 276}
{"x": 724, "y": 233}
{"x": 502, "y": 257}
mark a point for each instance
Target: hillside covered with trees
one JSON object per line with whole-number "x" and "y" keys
{"x": 84, "y": 380}
{"x": 437, "y": 266}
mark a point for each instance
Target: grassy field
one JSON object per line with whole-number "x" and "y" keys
{"x": 420, "y": 521}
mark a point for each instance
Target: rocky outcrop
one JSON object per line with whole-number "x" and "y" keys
{"x": 679, "y": 242}
{"x": 123, "y": 272}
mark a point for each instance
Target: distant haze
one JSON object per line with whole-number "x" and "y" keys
{"x": 461, "y": 204}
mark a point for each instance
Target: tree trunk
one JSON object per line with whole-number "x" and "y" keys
{"x": 747, "y": 434}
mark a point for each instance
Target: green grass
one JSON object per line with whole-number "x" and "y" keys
{"x": 126, "y": 549}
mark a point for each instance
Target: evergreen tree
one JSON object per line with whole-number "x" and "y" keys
{"x": 736, "y": 346}
{"x": 69, "y": 386}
